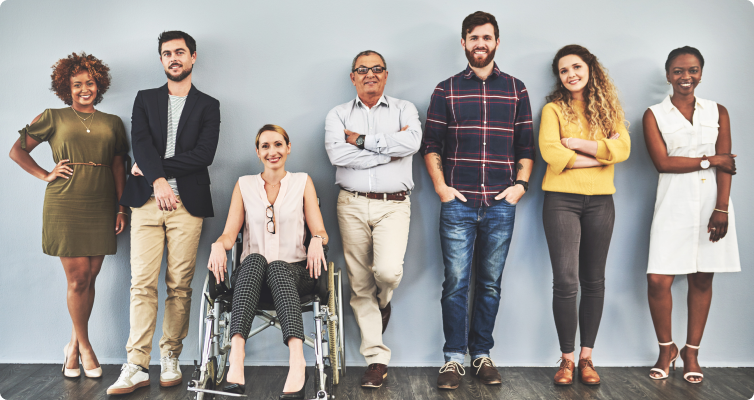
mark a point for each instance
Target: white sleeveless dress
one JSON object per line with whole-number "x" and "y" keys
{"x": 679, "y": 242}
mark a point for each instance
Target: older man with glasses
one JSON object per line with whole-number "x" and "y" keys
{"x": 371, "y": 140}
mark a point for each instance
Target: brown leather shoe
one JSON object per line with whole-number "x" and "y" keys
{"x": 450, "y": 375}
{"x": 587, "y": 374}
{"x": 374, "y": 375}
{"x": 484, "y": 369}
{"x": 385, "y": 316}
{"x": 564, "y": 376}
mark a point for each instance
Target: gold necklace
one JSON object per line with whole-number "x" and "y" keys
{"x": 271, "y": 186}
{"x": 84, "y": 119}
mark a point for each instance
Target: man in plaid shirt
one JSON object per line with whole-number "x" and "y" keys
{"x": 479, "y": 151}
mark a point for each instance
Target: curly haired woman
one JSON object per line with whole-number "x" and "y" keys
{"x": 80, "y": 219}
{"x": 582, "y": 136}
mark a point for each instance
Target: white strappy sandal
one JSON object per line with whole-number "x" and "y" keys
{"x": 687, "y": 375}
{"x": 663, "y": 374}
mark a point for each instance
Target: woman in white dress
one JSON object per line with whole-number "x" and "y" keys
{"x": 693, "y": 229}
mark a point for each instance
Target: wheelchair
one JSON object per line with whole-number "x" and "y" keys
{"x": 328, "y": 339}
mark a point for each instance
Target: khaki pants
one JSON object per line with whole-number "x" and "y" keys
{"x": 375, "y": 235}
{"x": 150, "y": 228}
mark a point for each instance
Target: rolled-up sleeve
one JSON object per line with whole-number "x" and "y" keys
{"x": 523, "y": 136}
{"x": 401, "y": 143}
{"x": 437, "y": 123}
{"x": 557, "y": 156}
{"x": 344, "y": 154}
{"x": 613, "y": 151}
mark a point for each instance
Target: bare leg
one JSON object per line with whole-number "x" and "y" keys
{"x": 586, "y": 352}
{"x": 699, "y": 301}
{"x": 88, "y": 358}
{"x": 661, "y": 308}
{"x": 78, "y": 274}
{"x": 237, "y": 355}
{"x": 297, "y": 366}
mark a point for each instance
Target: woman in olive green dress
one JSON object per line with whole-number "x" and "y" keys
{"x": 80, "y": 216}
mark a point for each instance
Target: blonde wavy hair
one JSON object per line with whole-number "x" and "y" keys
{"x": 603, "y": 109}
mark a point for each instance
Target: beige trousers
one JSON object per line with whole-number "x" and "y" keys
{"x": 150, "y": 228}
{"x": 375, "y": 235}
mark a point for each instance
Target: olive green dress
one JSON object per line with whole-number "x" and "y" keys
{"x": 79, "y": 213}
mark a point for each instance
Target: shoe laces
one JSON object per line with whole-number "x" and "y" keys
{"x": 482, "y": 361}
{"x": 563, "y": 362}
{"x": 452, "y": 366}
{"x": 127, "y": 371}
{"x": 169, "y": 362}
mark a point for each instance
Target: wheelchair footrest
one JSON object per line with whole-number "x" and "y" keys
{"x": 218, "y": 392}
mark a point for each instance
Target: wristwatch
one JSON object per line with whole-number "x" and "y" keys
{"x": 360, "y": 142}
{"x": 525, "y": 184}
{"x": 705, "y": 162}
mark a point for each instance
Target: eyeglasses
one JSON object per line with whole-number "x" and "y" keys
{"x": 270, "y": 212}
{"x": 377, "y": 69}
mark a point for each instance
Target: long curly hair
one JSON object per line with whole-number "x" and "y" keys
{"x": 603, "y": 109}
{"x": 67, "y": 67}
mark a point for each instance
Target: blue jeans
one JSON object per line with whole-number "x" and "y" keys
{"x": 491, "y": 227}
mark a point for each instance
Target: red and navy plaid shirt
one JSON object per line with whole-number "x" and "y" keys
{"x": 481, "y": 129}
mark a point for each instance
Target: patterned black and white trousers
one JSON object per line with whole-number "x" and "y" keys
{"x": 278, "y": 282}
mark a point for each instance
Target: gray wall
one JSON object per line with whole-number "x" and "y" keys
{"x": 287, "y": 63}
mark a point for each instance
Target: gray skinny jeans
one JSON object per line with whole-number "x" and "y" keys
{"x": 578, "y": 229}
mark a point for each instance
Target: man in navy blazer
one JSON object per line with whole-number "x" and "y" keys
{"x": 174, "y": 135}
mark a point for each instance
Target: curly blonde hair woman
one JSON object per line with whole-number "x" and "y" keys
{"x": 602, "y": 107}
{"x": 582, "y": 135}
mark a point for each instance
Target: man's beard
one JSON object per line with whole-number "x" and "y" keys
{"x": 481, "y": 63}
{"x": 182, "y": 76}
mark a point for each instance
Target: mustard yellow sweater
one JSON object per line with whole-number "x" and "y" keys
{"x": 560, "y": 176}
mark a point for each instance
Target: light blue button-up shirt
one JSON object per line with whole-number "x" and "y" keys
{"x": 371, "y": 169}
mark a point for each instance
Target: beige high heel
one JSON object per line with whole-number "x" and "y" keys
{"x": 690, "y": 374}
{"x": 94, "y": 372}
{"x": 663, "y": 374}
{"x": 72, "y": 372}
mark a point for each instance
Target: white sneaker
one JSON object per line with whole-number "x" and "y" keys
{"x": 131, "y": 378}
{"x": 170, "y": 372}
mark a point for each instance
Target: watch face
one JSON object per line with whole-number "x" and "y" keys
{"x": 705, "y": 164}
{"x": 359, "y": 140}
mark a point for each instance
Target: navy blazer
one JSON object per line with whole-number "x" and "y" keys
{"x": 196, "y": 142}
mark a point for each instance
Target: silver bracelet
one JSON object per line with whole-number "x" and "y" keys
{"x": 319, "y": 236}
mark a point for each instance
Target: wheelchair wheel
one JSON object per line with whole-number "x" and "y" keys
{"x": 332, "y": 325}
{"x": 206, "y": 381}
{"x": 341, "y": 329}
{"x": 224, "y": 342}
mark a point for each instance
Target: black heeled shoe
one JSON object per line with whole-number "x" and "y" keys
{"x": 296, "y": 395}
{"x": 235, "y": 388}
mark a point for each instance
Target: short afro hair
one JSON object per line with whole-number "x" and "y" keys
{"x": 67, "y": 67}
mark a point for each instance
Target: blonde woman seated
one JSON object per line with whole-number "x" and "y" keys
{"x": 271, "y": 207}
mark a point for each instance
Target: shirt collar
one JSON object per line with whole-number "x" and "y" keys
{"x": 668, "y": 106}
{"x": 382, "y": 100}
{"x": 468, "y": 72}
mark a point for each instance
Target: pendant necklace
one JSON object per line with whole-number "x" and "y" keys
{"x": 84, "y": 119}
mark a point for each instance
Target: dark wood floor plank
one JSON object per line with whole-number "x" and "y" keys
{"x": 15, "y": 374}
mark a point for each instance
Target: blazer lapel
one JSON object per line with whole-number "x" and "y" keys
{"x": 190, "y": 103}
{"x": 162, "y": 105}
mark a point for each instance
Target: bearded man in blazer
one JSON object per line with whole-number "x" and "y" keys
{"x": 174, "y": 135}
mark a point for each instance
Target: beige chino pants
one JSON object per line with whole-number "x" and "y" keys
{"x": 375, "y": 235}
{"x": 150, "y": 229}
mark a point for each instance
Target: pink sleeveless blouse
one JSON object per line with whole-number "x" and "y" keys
{"x": 287, "y": 243}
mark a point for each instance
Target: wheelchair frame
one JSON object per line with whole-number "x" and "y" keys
{"x": 214, "y": 328}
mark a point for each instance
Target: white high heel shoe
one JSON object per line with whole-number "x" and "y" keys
{"x": 663, "y": 374}
{"x": 69, "y": 373}
{"x": 687, "y": 375}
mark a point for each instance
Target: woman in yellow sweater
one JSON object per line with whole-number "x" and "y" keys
{"x": 581, "y": 136}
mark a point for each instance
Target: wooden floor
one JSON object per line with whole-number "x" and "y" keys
{"x": 38, "y": 381}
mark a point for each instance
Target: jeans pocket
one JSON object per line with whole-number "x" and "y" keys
{"x": 449, "y": 201}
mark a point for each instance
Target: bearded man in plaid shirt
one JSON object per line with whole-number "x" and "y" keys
{"x": 478, "y": 147}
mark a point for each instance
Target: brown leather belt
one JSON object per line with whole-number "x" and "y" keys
{"x": 90, "y": 163}
{"x": 397, "y": 196}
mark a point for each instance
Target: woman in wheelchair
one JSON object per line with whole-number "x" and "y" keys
{"x": 272, "y": 208}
